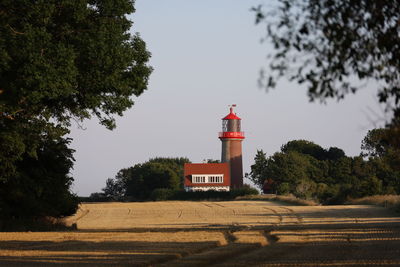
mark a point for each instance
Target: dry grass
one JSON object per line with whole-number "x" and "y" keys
{"x": 103, "y": 248}
{"x": 289, "y": 199}
{"x": 391, "y": 201}
{"x": 185, "y": 233}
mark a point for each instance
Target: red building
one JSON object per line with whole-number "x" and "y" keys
{"x": 220, "y": 176}
{"x": 207, "y": 176}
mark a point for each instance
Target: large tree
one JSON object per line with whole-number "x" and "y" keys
{"x": 140, "y": 180}
{"x": 334, "y": 47}
{"x": 63, "y": 60}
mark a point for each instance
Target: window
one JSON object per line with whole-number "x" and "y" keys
{"x": 207, "y": 178}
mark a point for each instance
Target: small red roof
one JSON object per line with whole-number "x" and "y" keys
{"x": 231, "y": 116}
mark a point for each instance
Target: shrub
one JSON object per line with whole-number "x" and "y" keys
{"x": 169, "y": 194}
{"x": 162, "y": 194}
{"x": 244, "y": 191}
{"x": 379, "y": 200}
{"x": 288, "y": 199}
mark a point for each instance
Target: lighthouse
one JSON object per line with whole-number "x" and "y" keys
{"x": 222, "y": 176}
{"x": 231, "y": 138}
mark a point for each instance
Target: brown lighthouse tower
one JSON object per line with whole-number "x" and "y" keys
{"x": 232, "y": 137}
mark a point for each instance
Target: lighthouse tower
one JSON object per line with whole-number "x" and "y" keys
{"x": 232, "y": 137}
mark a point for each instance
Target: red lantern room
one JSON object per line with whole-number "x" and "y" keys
{"x": 231, "y": 138}
{"x": 231, "y": 126}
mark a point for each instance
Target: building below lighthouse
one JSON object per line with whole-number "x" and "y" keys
{"x": 207, "y": 176}
{"x": 225, "y": 175}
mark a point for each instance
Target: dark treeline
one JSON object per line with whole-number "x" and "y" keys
{"x": 40, "y": 183}
{"x": 308, "y": 171}
{"x": 157, "y": 179}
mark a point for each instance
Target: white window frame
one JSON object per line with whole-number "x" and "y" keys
{"x": 207, "y": 178}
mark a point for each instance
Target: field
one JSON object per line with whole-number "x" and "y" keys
{"x": 234, "y": 233}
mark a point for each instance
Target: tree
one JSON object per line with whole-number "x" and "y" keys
{"x": 335, "y": 153}
{"x": 375, "y": 144}
{"x": 63, "y": 60}
{"x": 176, "y": 164}
{"x": 114, "y": 189}
{"x": 41, "y": 185}
{"x": 291, "y": 167}
{"x": 257, "y": 174}
{"x": 381, "y": 144}
{"x": 140, "y": 180}
{"x": 305, "y": 147}
{"x": 334, "y": 46}
{"x": 150, "y": 176}
{"x": 69, "y": 59}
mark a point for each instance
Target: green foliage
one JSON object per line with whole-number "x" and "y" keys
{"x": 61, "y": 60}
{"x": 308, "y": 171}
{"x": 309, "y": 148}
{"x": 257, "y": 175}
{"x": 202, "y": 195}
{"x": 114, "y": 189}
{"x": 212, "y": 161}
{"x": 304, "y": 147}
{"x": 41, "y": 185}
{"x": 283, "y": 188}
{"x": 246, "y": 190}
{"x": 375, "y": 144}
{"x": 139, "y": 182}
{"x": 96, "y": 197}
{"x": 333, "y": 46}
{"x": 161, "y": 194}
{"x": 160, "y": 179}
{"x": 170, "y": 194}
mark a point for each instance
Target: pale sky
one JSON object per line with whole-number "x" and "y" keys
{"x": 206, "y": 55}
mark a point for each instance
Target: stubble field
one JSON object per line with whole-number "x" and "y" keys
{"x": 234, "y": 233}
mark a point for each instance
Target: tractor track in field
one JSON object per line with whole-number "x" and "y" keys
{"x": 180, "y": 214}
{"x": 292, "y": 215}
{"x": 279, "y": 216}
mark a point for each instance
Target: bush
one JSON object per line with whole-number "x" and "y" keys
{"x": 244, "y": 191}
{"x": 96, "y": 197}
{"x": 160, "y": 194}
{"x": 202, "y": 195}
{"x": 283, "y": 188}
{"x": 287, "y": 200}
{"x": 379, "y": 200}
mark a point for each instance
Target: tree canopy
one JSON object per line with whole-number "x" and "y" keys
{"x": 335, "y": 46}
{"x": 139, "y": 181}
{"x": 69, "y": 59}
{"x": 62, "y": 61}
{"x": 328, "y": 176}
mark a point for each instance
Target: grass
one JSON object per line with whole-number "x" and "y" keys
{"x": 389, "y": 201}
{"x": 289, "y": 199}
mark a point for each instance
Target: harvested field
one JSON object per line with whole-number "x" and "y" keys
{"x": 235, "y": 233}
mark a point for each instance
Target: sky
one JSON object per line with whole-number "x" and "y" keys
{"x": 207, "y": 55}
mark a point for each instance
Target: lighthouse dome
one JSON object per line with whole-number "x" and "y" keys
{"x": 231, "y": 116}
